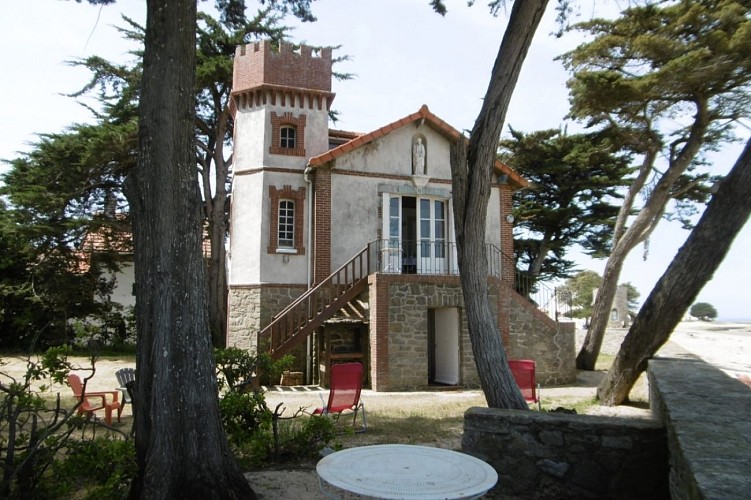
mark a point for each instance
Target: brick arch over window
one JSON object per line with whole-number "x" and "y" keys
{"x": 287, "y": 120}
{"x": 275, "y": 196}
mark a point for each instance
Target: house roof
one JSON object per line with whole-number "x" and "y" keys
{"x": 423, "y": 113}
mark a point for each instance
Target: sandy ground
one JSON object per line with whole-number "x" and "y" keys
{"x": 726, "y": 345}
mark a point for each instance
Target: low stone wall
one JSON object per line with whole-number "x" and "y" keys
{"x": 562, "y": 456}
{"x": 707, "y": 415}
{"x": 534, "y": 335}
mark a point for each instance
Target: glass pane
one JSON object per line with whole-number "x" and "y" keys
{"x": 394, "y": 227}
{"x": 439, "y": 206}
{"x": 439, "y": 230}
{"x": 394, "y": 219}
{"x": 394, "y": 206}
{"x": 424, "y": 209}
{"x": 425, "y": 229}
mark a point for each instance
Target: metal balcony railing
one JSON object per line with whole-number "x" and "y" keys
{"x": 293, "y": 324}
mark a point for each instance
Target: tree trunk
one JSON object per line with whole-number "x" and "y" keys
{"x": 181, "y": 449}
{"x": 642, "y": 227}
{"x": 471, "y": 167}
{"x": 217, "y": 213}
{"x": 692, "y": 267}
{"x": 218, "y": 272}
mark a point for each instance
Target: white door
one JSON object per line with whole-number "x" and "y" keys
{"x": 391, "y": 251}
{"x": 432, "y": 247}
{"x": 446, "y": 345}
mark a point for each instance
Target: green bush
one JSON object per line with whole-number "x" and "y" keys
{"x": 257, "y": 434}
{"x": 99, "y": 468}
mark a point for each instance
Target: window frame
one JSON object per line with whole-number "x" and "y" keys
{"x": 278, "y": 196}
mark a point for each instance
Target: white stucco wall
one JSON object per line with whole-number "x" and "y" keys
{"x": 254, "y": 123}
{"x": 250, "y": 261}
{"x": 392, "y": 154}
{"x": 357, "y": 199}
{"x": 122, "y": 292}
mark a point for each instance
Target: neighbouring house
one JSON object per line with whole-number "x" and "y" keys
{"x": 342, "y": 244}
{"x": 112, "y": 240}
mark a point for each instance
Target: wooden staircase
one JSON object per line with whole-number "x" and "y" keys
{"x": 298, "y": 320}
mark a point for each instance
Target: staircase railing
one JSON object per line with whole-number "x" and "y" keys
{"x": 549, "y": 300}
{"x": 306, "y": 313}
{"x": 295, "y": 322}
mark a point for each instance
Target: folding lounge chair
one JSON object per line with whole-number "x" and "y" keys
{"x": 344, "y": 393}
{"x": 125, "y": 375}
{"x": 93, "y": 401}
{"x": 524, "y": 374}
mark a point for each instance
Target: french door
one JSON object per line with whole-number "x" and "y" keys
{"x": 415, "y": 233}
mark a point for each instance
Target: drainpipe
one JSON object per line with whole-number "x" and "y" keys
{"x": 309, "y": 277}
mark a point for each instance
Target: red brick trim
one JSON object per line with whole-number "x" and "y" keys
{"x": 507, "y": 232}
{"x": 286, "y": 193}
{"x": 322, "y": 225}
{"x": 277, "y": 122}
{"x": 392, "y": 177}
{"x": 267, "y": 169}
{"x": 379, "y": 333}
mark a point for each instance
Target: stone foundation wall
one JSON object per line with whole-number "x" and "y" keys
{"x": 252, "y": 308}
{"x": 408, "y": 333}
{"x": 560, "y": 456}
{"x": 534, "y": 335}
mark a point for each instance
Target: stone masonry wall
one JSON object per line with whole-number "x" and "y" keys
{"x": 408, "y": 333}
{"x": 560, "y": 456}
{"x": 401, "y": 329}
{"x": 252, "y": 308}
{"x": 534, "y": 335}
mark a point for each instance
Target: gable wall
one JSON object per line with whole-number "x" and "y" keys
{"x": 359, "y": 179}
{"x": 392, "y": 154}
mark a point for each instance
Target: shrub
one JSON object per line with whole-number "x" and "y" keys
{"x": 34, "y": 429}
{"x": 703, "y": 311}
{"x": 101, "y": 468}
{"x": 257, "y": 434}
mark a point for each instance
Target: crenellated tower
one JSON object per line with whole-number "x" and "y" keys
{"x": 281, "y": 97}
{"x": 286, "y": 93}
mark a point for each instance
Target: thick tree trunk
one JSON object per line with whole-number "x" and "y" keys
{"x": 692, "y": 267}
{"x": 181, "y": 449}
{"x": 471, "y": 167}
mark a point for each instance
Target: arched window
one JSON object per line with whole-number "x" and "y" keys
{"x": 287, "y": 134}
{"x": 287, "y": 137}
{"x": 614, "y": 315}
{"x": 286, "y": 234}
{"x": 286, "y": 218}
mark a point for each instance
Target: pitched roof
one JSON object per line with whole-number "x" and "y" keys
{"x": 422, "y": 114}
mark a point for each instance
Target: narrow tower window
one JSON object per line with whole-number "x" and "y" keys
{"x": 286, "y": 224}
{"x": 288, "y": 136}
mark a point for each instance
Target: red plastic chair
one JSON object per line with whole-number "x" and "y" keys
{"x": 344, "y": 393}
{"x": 93, "y": 401}
{"x": 524, "y": 374}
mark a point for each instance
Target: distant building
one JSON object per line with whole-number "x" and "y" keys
{"x": 619, "y": 314}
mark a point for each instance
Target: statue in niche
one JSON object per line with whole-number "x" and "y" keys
{"x": 418, "y": 157}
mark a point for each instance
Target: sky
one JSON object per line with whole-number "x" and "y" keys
{"x": 402, "y": 56}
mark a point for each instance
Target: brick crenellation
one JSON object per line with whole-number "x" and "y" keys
{"x": 261, "y": 63}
